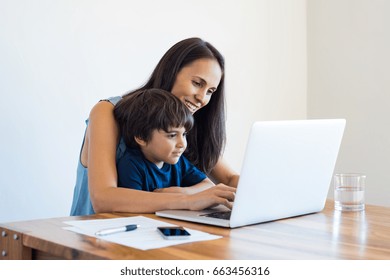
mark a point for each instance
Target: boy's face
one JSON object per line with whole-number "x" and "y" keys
{"x": 165, "y": 146}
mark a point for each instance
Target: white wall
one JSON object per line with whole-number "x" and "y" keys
{"x": 348, "y": 77}
{"x": 58, "y": 58}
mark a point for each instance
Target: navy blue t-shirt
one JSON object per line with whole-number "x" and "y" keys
{"x": 136, "y": 172}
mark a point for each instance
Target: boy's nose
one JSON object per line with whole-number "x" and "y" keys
{"x": 181, "y": 142}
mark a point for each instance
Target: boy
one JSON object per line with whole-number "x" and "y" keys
{"x": 153, "y": 124}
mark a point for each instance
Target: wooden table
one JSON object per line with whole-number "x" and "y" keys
{"x": 326, "y": 235}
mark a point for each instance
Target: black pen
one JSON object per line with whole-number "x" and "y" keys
{"x": 116, "y": 230}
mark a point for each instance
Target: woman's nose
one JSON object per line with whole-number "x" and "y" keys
{"x": 201, "y": 97}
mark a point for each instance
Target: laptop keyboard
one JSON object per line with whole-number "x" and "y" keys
{"x": 225, "y": 215}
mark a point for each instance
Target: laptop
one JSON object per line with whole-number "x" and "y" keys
{"x": 286, "y": 172}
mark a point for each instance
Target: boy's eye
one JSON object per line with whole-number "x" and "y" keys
{"x": 171, "y": 135}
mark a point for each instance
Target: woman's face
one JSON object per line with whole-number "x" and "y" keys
{"x": 196, "y": 82}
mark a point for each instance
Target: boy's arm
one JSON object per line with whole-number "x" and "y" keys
{"x": 192, "y": 180}
{"x": 201, "y": 186}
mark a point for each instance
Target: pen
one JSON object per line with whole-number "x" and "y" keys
{"x": 116, "y": 230}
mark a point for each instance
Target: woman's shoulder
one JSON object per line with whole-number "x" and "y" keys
{"x": 105, "y": 106}
{"x": 113, "y": 99}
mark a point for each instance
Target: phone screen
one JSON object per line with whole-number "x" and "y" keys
{"x": 173, "y": 232}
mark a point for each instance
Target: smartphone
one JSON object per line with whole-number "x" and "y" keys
{"x": 173, "y": 233}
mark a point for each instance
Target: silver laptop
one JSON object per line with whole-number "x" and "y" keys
{"x": 286, "y": 172}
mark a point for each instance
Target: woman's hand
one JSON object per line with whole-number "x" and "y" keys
{"x": 199, "y": 199}
{"x": 213, "y": 196}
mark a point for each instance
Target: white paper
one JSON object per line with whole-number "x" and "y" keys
{"x": 145, "y": 237}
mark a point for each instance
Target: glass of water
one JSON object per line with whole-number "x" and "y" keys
{"x": 349, "y": 191}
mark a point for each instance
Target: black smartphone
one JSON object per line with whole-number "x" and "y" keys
{"x": 173, "y": 233}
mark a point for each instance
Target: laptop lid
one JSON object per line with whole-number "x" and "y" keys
{"x": 287, "y": 171}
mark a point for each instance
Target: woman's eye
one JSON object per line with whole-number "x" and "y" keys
{"x": 196, "y": 83}
{"x": 171, "y": 135}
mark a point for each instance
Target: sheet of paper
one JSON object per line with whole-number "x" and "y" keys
{"x": 144, "y": 238}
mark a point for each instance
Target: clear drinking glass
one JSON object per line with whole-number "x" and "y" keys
{"x": 349, "y": 191}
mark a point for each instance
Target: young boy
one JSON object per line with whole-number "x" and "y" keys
{"x": 153, "y": 124}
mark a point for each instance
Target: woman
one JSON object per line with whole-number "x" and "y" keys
{"x": 192, "y": 70}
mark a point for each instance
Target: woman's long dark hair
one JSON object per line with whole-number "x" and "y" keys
{"x": 207, "y": 138}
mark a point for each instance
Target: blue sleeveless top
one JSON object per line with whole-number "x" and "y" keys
{"x": 81, "y": 204}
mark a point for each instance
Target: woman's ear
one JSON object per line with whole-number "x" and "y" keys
{"x": 140, "y": 141}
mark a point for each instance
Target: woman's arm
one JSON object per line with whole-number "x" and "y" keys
{"x": 99, "y": 154}
{"x": 222, "y": 173}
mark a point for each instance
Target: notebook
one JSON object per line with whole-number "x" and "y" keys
{"x": 286, "y": 172}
